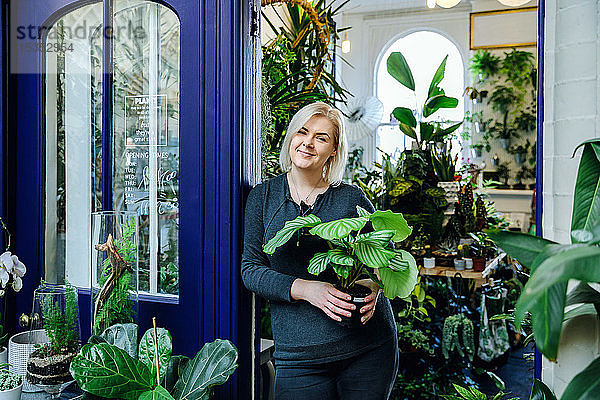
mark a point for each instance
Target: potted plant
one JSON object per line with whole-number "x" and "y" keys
{"x": 459, "y": 262}
{"x": 11, "y": 384}
{"x": 518, "y": 65}
{"x": 154, "y": 372}
{"x": 458, "y": 336}
{"x": 411, "y": 340}
{"x": 520, "y": 152}
{"x": 503, "y": 173}
{"x": 484, "y": 64}
{"x": 466, "y": 255}
{"x": 421, "y": 131}
{"x": 48, "y": 365}
{"x": 477, "y": 149}
{"x": 479, "y": 249}
{"x": 428, "y": 260}
{"x": 12, "y": 271}
{"x": 354, "y": 255}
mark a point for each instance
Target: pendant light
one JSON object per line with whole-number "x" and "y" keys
{"x": 447, "y": 3}
{"x": 514, "y": 3}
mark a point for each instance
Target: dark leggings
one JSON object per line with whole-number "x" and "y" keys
{"x": 367, "y": 376}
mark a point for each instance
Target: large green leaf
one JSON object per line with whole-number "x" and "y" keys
{"x": 174, "y": 371}
{"x": 436, "y": 102}
{"x": 108, "y": 371}
{"x": 437, "y": 77}
{"x": 340, "y": 256}
{"x": 340, "y": 228}
{"x": 369, "y": 248}
{"x": 400, "y": 283}
{"x": 318, "y": 263}
{"x": 584, "y": 293}
{"x": 581, "y": 309}
{"x": 147, "y": 353}
{"x": 573, "y": 262}
{"x": 398, "y": 68}
{"x": 439, "y": 136}
{"x": 289, "y": 228}
{"x": 426, "y": 130}
{"x": 124, "y": 336}
{"x": 405, "y": 115}
{"x": 539, "y": 391}
{"x": 408, "y": 130}
{"x": 389, "y": 220}
{"x": 585, "y": 385}
{"x": 341, "y": 270}
{"x": 521, "y": 246}
{"x": 211, "y": 366}
{"x": 586, "y": 199}
{"x": 547, "y": 312}
{"x": 158, "y": 393}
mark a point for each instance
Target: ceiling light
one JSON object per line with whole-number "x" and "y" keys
{"x": 514, "y": 3}
{"x": 447, "y": 3}
{"x": 346, "y": 46}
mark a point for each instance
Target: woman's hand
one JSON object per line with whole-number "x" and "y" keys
{"x": 369, "y": 309}
{"x": 324, "y": 296}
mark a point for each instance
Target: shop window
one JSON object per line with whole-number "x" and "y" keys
{"x": 144, "y": 138}
{"x": 424, "y": 51}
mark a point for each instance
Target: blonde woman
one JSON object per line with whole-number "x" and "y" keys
{"x": 315, "y": 357}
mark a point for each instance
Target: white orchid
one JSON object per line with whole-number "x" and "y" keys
{"x": 11, "y": 266}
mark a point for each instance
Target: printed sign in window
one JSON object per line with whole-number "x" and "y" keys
{"x": 138, "y": 120}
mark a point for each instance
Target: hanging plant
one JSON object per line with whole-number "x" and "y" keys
{"x": 518, "y": 66}
{"x": 484, "y": 64}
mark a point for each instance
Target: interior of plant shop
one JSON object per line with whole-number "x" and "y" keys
{"x": 133, "y": 132}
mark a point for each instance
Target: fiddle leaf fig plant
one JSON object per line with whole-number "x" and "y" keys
{"x": 354, "y": 254}
{"x": 108, "y": 371}
{"x": 436, "y": 99}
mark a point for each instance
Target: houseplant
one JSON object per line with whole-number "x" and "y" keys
{"x": 12, "y": 271}
{"x": 484, "y": 64}
{"x": 417, "y": 128}
{"x": 48, "y": 365}
{"x": 552, "y": 265}
{"x": 108, "y": 371}
{"x": 458, "y": 336}
{"x": 11, "y": 384}
{"x": 354, "y": 255}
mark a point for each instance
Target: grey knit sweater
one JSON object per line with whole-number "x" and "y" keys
{"x": 301, "y": 331}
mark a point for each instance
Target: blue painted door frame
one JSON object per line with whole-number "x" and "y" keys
{"x": 211, "y": 304}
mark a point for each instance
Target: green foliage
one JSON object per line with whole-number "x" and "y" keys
{"x": 104, "y": 370}
{"x": 61, "y": 323}
{"x": 352, "y": 254}
{"x": 474, "y": 394}
{"x": 413, "y": 338}
{"x": 553, "y": 265}
{"x": 458, "y": 336}
{"x": 444, "y": 164}
{"x": 118, "y": 307}
{"x": 518, "y": 67}
{"x": 484, "y": 64}
{"x": 436, "y": 99}
{"x": 290, "y": 64}
{"x": 9, "y": 380}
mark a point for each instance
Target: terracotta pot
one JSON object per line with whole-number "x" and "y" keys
{"x": 478, "y": 264}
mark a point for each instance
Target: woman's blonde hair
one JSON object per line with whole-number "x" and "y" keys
{"x": 334, "y": 168}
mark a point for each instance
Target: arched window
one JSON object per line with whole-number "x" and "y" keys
{"x": 424, "y": 51}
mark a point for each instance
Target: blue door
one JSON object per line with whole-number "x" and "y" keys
{"x": 132, "y": 105}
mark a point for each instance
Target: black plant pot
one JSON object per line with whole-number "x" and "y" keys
{"x": 358, "y": 293}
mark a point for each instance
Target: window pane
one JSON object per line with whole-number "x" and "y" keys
{"x": 146, "y": 135}
{"x": 72, "y": 131}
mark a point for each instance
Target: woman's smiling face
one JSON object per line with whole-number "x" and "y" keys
{"x": 313, "y": 144}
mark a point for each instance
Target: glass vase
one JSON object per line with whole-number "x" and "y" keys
{"x": 55, "y": 332}
{"x": 114, "y": 269}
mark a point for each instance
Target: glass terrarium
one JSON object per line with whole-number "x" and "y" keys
{"x": 114, "y": 269}
{"x": 55, "y": 330}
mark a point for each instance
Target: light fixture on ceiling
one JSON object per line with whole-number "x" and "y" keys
{"x": 447, "y": 3}
{"x": 514, "y": 3}
{"x": 346, "y": 45}
{"x": 452, "y": 3}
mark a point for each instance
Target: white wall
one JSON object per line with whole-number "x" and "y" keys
{"x": 572, "y": 115}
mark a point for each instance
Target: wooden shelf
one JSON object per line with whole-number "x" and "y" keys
{"x": 479, "y": 277}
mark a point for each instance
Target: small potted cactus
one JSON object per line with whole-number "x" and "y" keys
{"x": 428, "y": 260}
{"x": 459, "y": 262}
{"x": 466, "y": 255}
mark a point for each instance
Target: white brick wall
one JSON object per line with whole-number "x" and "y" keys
{"x": 572, "y": 115}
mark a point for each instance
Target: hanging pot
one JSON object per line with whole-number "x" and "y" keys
{"x": 477, "y": 152}
{"x": 520, "y": 158}
{"x": 505, "y": 143}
